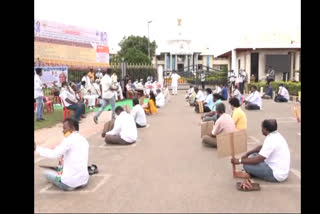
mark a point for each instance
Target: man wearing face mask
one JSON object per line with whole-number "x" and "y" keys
{"x": 73, "y": 152}
{"x": 223, "y": 125}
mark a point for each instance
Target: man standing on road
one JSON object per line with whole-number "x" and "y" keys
{"x": 174, "y": 83}
{"x": 107, "y": 95}
{"x": 270, "y": 74}
{"x": 73, "y": 152}
{"x": 38, "y": 94}
{"x": 223, "y": 125}
{"x": 203, "y": 79}
{"x": 270, "y": 161}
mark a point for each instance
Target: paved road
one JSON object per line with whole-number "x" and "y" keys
{"x": 168, "y": 170}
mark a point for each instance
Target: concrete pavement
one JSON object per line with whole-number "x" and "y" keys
{"x": 168, "y": 170}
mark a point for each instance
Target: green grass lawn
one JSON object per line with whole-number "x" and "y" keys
{"x": 56, "y": 117}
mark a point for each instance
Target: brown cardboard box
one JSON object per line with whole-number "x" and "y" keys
{"x": 206, "y": 128}
{"x": 225, "y": 141}
{"x": 200, "y": 103}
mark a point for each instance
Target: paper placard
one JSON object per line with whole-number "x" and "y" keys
{"x": 224, "y": 142}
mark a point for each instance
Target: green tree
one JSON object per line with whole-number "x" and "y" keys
{"x": 136, "y": 43}
{"x": 133, "y": 55}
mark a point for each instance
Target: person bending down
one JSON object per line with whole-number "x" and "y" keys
{"x": 253, "y": 101}
{"x": 138, "y": 114}
{"x": 122, "y": 130}
{"x": 223, "y": 125}
{"x": 271, "y": 161}
{"x": 73, "y": 152}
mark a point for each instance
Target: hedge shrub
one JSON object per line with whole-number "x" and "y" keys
{"x": 292, "y": 87}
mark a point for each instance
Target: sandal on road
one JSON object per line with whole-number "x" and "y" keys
{"x": 248, "y": 186}
{"x": 93, "y": 169}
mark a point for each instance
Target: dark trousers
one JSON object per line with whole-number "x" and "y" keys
{"x": 202, "y": 83}
{"x": 280, "y": 98}
{"x": 139, "y": 126}
{"x": 116, "y": 139}
{"x": 251, "y": 106}
{"x": 241, "y": 87}
{"x": 79, "y": 109}
{"x": 206, "y": 109}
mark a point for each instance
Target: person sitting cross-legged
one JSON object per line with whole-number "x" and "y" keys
{"x": 151, "y": 106}
{"x": 122, "y": 130}
{"x": 160, "y": 99}
{"x": 189, "y": 92}
{"x": 269, "y": 92}
{"x": 224, "y": 92}
{"x": 138, "y": 114}
{"x": 238, "y": 116}
{"x": 208, "y": 102}
{"x": 73, "y": 152}
{"x": 283, "y": 94}
{"x": 199, "y": 98}
{"x": 253, "y": 101}
{"x": 224, "y": 124}
{"x": 270, "y": 161}
{"x": 212, "y": 116}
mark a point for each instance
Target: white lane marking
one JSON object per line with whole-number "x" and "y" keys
{"x": 296, "y": 173}
{"x": 255, "y": 139}
{"x": 81, "y": 191}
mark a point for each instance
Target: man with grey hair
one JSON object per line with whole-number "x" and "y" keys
{"x": 223, "y": 125}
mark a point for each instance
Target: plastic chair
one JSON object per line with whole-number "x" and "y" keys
{"x": 66, "y": 112}
{"x": 48, "y": 104}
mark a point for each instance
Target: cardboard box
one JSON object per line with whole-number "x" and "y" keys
{"x": 206, "y": 128}
{"x": 200, "y": 103}
{"x": 236, "y": 141}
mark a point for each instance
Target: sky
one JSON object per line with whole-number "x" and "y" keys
{"x": 216, "y": 24}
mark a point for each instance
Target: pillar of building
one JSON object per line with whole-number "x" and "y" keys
{"x": 165, "y": 61}
{"x": 176, "y": 62}
{"x": 234, "y": 66}
{"x": 170, "y": 62}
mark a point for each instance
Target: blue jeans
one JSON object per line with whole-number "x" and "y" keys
{"x": 260, "y": 170}
{"x": 79, "y": 109}
{"x": 106, "y": 102}
{"x": 39, "y": 113}
{"x": 51, "y": 176}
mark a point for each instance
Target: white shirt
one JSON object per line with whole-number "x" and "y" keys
{"x": 106, "y": 83}
{"x": 200, "y": 96}
{"x": 236, "y": 93}
{"x": 139, "y": 115}
{"x": 232, "y": 76}
{"x": 203, "y": 77}
{"x": 160, "y": 99}
{"x": 126, "y": 127}
{"x": 75, "y": 149}
{"x": 64, "y": 94}
{"x": 37, "y": 86}
{"x": 255, "y": 98}
{"x": 276, "y": 151}
{"x": 175, "y": 78}
{"x": 284, "y": 92}
{"x": 190, "y": 91}
{"x": 86, "y": 78}
{"x": 217, "y": 90}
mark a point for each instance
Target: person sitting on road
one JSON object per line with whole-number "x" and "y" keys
{"x": 269, "y": 92}
{"x": 74, "y": 152}
{"x": 189, "y": 92}
{"x": 130, "y": 90}
{"x": 150, "y": 107}
{"x": 199, "y": 98}
{"x": 217, "y": 90}
{"x": 71, "y": 102}
{"x": 166, "y": 93}
{"x": 270, "y": 161}
{"x": 238, "y": 116}
{"x": 224, "y": 92}
{"x": 138, "y": 114}
{"x": 283, "y": 94}
{"x": 160, "y": 99}
{"x": 224, "y": 124}
{"x": 208, "y": 103}
{"x": 236, "y": 93}
{"x": 212, "y": 116}
{"x": 122, "y": 130}
{"x": 253, "y": 101}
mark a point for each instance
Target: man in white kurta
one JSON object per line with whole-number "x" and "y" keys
{"x": 174, "y": 83}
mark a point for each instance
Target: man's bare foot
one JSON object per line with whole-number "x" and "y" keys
{"x": 239, "y": 174}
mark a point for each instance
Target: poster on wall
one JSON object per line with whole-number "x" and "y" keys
{"x": 51, "y": 74}
{"x": 102, "y": 53}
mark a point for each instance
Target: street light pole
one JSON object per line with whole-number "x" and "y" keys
{"x": 148, "y": 40}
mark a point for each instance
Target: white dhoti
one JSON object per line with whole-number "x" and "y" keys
{"x": 91, "y": 99}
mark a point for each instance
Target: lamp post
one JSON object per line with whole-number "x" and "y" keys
{"x": 148, "y": 40}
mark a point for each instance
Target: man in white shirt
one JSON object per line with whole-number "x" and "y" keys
{"x": 283, "y": 94}
{"x": 160, "y": 99}
{"x": 71, "y": 102}
{"x": 107, "y": 95}
{"x": 130, "y": 90}
{"x": 174, "y": 82}
{"x": 232, "y": 79}
{"x": 73, "y": 152}
{"x": 99, "y": 74}
{"x": 217, "y": 90}
{"x": 203, "y": 79}
{"x": 124, "y": 130}
{"x": 271, "y": 161}
{"x": 38, "y": 94}
{"x": 236, "y": 93}
{"x": 253, "y": 101}
{"x": 87, "y": 79}
{"x": 189, "y": 92}
{"x": 200, "y": 95}
{"x": 138, "y": 114}
{"x": 88, "y": 94}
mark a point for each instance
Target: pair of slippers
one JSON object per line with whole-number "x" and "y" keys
{"x": 248, "y": 186}
{"x": 93, "y": 169}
